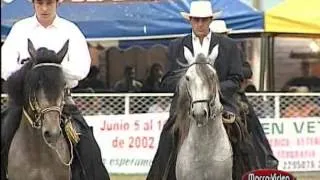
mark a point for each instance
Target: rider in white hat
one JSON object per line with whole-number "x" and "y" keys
{"x": 219, "y": 26}
{"x": 200, "y": 16}
{"x": 228, "y": 66}
{"x": 46, "y": 29}
{"x": 201, "y": 9}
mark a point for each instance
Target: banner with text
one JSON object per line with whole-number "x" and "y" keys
{"x": 128, "y": 142}
{"x": 295, "y": 142}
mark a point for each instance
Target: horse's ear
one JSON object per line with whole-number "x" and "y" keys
{"x": 214, "y": 54}
{"x": 63, "y": 52}
{"x": 32, "y": 51}
{"x": 188, "y": 55}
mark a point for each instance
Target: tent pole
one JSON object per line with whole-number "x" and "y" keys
{"x": 263, "y": 62}
{"x": 272, "y": 79}
{"x": 270, "y": 51}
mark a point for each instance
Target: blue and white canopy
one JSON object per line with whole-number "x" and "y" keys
{"x": 135, "y": 20}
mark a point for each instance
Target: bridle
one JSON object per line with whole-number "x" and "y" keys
{"x": 37, "y": 112}
{"x": 213, "y": 112}
{"x": 35, "y": 115}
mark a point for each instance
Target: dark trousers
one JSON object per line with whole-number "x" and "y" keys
{"x": 87, "y": 150}
{"x": 87, "y": 164}
{"x": 164, "y": 161}
{"x": 10, "y": 120}
{"x": 259, "y": 139}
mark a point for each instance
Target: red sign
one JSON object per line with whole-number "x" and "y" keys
{"x": 268, "y": 174}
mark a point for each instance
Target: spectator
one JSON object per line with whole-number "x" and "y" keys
{"x": 128, "y": 83}
{"x": 303, "y": 108}
{"x": 152, "y": 83}
{"x": 250, "y": 88}
{"x": 307, "y": 79}
{"x": 159, "y": 107}
{"x": 91, "y": 83}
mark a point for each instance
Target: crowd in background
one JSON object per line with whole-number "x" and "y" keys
{"x": 127, "y": 84}
{"x": 151, "y": 83}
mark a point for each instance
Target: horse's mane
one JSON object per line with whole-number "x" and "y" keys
{"x": 182, "y": 105}
{"x": 27, "y": 80}
{"x": 15, "y": 84}
{"x": 182, "y": 122}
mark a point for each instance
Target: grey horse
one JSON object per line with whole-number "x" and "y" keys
{"x": 204, "y": 149}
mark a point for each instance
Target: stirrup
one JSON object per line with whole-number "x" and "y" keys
{"x": 71, "y": 132}
{"x": 229, "y": 121}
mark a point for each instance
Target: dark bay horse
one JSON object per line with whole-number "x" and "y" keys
{"x": 39, "y": 149}
{"x": 204, "y": 149}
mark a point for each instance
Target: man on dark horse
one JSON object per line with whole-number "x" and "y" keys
{"x": 47, "y": 29}
{"x": 230, "y": 72}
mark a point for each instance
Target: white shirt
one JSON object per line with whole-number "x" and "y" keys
{"x": 198, "y": 48}
{"x": 76, "y": 64}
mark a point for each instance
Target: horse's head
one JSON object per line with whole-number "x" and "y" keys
{"x": 43, "y": 91}
{"x": 201, "y": 85}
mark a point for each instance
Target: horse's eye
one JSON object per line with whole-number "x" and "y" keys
{"x": 187, "y": 78}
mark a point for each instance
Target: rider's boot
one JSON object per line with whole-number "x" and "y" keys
{"x": 272, "y": 162}
{"x": 89, "y": 160}
{"x": 228, "y": 117}
{"x": 10, "y": 121}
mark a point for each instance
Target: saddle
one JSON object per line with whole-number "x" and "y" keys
{"x": 244, "y": 155}
{"x": 238, "y": 130}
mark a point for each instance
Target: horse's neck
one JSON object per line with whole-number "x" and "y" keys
{"x": 31, "y": 158}
{"x": 205, "y": 153}
{"x": 213, "y": 134}
{"x": 32, "y": 138}
{"x": 214, "y": 128}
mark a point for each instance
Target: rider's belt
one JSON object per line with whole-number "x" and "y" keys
{"x": 67, "y": 92}
{"x": 67, "y": 96}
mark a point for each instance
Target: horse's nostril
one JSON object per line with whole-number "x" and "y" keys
{"x": 193, "y": 114}
{"x": 205, "y": 113}
{"x": 200, "y": 114}
{"x": 55, "y": 134}
{"x": 47, "y": 134}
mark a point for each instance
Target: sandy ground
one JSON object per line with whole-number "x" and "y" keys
{"x": 307, "y": 175}
{"x": 300, "y": 176}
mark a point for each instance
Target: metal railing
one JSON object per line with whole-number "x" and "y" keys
{"x": 266, "y": 105}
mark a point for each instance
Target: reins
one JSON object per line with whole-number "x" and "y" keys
{"x": 59, "y": 155}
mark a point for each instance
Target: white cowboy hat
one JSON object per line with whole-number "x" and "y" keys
{"x": 219, "y": 26}
{"x": 201, "y": 9}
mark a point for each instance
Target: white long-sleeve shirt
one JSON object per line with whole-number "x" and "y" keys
{"x": 76, "y": 64}
{"x": 201, "y": 48}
